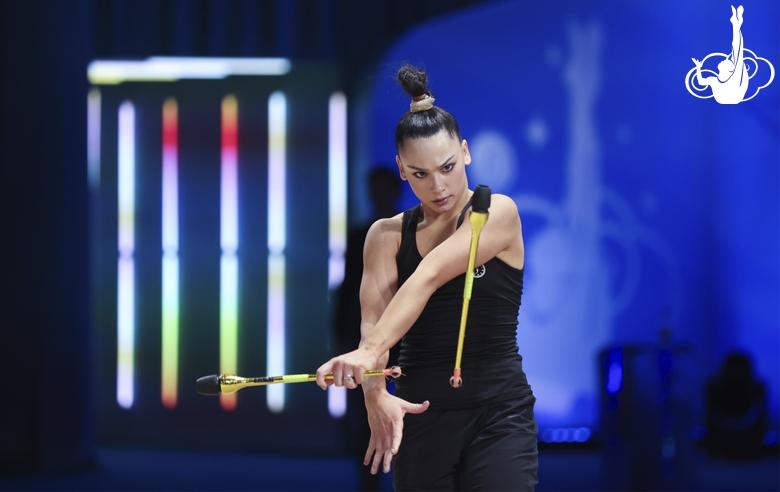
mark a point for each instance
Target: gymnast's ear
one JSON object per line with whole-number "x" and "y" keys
{"x": 466, "y": 154}
{"x": 400, "y": 168}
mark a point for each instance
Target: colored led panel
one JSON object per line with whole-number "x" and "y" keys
{"x": 170, "y": 247}
{"x": 228, "y": 319}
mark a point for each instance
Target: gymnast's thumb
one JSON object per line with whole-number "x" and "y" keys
{"x": 417, "y": 407}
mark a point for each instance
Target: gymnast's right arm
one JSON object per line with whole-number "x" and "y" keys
{"x": 377, "y": 288}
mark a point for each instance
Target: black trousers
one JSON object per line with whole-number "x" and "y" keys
{"x": 486, "y": 448}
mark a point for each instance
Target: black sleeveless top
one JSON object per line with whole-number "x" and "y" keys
{"x": 491, "y": 366}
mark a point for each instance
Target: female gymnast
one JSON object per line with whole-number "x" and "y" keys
{"x": 481, "y": 436}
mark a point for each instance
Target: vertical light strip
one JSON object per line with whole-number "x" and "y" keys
{"x": 126, "y": 268}
{"x": 93, "y": 139}
{"x": 337, "y": 216}
{"x": 170, "y": 247}
{"x": 337, "y": 187}
{"x": 228, "y": 299}
{"x": 277, "y": 237}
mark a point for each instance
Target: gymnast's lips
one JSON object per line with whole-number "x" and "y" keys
{"x": 442, "y": 201}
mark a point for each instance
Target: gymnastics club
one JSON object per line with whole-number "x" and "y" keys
{"x": 230, "y": 383}
{"x": 480, "y": 203}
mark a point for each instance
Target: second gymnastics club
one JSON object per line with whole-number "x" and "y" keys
{"x": 230, "y": 383}
{"x": 478, "y": 217}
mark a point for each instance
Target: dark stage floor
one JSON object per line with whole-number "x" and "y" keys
{"x": 145, "y": 469}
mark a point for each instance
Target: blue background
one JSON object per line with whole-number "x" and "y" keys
{"x": 643, "y": 207}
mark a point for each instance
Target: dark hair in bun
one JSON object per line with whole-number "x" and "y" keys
{"x": 421, "y": 123}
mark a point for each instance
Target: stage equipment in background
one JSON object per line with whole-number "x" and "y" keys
{"x": 478, "y": 217}
{"x": 214, "y": 241}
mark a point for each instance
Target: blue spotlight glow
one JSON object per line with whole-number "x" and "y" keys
{"x": 615, "y": 371}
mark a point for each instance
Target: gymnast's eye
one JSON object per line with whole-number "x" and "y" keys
{"x": 447, "y": 167}
{"x": 420, "y": 174}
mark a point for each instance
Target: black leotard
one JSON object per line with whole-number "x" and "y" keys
{"x": 491, "y": 366}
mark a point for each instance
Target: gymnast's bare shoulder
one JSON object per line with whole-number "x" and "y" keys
{"x": 384, "y": 237}
{"x": 380, "y": 274}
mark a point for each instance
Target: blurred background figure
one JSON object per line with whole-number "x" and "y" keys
{"x": 385, "y": 190}
{"x": 736, "y": 411}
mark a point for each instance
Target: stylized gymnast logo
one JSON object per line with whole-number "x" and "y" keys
{"x": 479, "y": 272}
{"x": 735, "y": 70}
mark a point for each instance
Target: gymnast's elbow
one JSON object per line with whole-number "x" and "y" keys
{"x": 430, "y": 276}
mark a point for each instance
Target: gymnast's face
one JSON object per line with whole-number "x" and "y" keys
{"x": 435, "y": 168}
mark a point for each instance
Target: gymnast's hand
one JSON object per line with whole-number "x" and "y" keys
{"x": 386, "y": 418}
{"x": 347, "y": 369}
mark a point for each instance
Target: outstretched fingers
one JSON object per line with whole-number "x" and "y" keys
{"x": 386, "y": 437}
{"x": 398, "y": 434}
{"x": 373, "y": 455}
{"x": 398, "y": 431}
{"x": 379, "y": 454}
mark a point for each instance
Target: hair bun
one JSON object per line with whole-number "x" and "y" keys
{"x": 413, "y": 80}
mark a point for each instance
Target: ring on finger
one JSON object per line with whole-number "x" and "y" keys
{"x": 348, "y": 377}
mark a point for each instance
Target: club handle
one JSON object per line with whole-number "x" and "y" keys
{"x": 230, "y": 383}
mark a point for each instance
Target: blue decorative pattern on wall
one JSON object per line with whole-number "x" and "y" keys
{"x": 644, "y": 209}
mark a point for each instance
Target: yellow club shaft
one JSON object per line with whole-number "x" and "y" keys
{"x": 230, "y": 383}
{"x": 477, "y": 221}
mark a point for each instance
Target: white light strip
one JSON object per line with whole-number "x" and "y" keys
{"x": 93, "y": 139}
{"x": 277, "y": 179}
{"x": 168, "y": 69}
{"x": 277, "y": 237}
{"x": 337, "y": 216}
{"x": 337, "y": 401}
{"x": 126, "y": 267}
{"x": 337, "y": 188}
